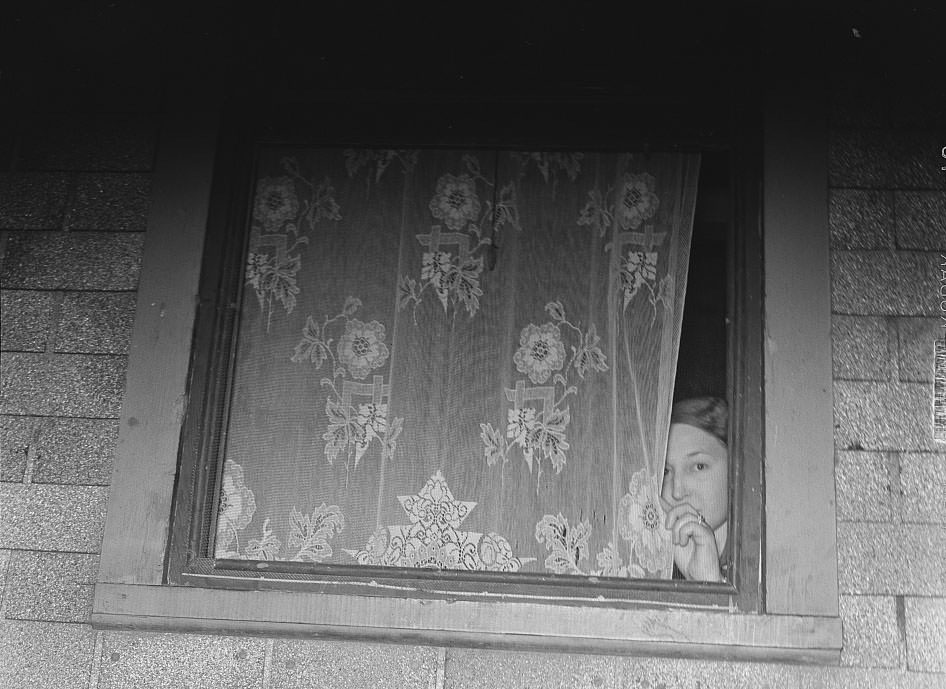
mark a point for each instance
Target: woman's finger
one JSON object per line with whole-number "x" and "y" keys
{"x": 683, "y": 527}
{"x": 701, "y": 534}
{"x": 676, "y": 519}
{"x": 699, "y": 558}
{"x": 674, "y": 512}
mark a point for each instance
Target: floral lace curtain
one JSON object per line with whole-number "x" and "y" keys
{"x": 458, "y": 360}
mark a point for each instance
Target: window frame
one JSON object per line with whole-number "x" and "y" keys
{"x": 799, "y": 622}
{"x": 222, "y": 277}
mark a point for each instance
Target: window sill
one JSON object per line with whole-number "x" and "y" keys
{"x": 528, "y": 626}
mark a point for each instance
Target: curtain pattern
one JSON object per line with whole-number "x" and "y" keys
{"x": 457, "y": 360}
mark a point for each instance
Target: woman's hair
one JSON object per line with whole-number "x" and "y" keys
{"x": 710, "y": 414}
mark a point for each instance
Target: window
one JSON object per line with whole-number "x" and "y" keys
{"x": 134, "y": 586}
{"x": 485, "y": 333}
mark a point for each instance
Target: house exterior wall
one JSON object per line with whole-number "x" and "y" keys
{"x": 74, "y": 199}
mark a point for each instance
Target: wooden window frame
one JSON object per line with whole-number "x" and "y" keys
{"x": 799, "y": 577}
{"x": 222, "y": 274}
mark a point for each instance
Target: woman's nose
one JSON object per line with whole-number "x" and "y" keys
{"x": 678, "y": 490}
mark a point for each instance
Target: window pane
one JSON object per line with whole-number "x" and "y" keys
{"x": 457, "y": 360}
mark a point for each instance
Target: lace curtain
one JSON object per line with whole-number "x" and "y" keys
{"x": 457, "y": 360}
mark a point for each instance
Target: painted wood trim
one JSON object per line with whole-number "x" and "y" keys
{"x": 139, "y": 505}
{"x": 801, "y": 555}
{"x": 800, "y": 519}
{"x": 534, "y": 625}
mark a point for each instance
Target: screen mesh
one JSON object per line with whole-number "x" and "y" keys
{"x": 457, "y": 360}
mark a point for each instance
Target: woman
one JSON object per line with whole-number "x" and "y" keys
{"x": 695, "y": 493}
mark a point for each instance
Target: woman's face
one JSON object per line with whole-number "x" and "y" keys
{"x": 697, "y": 473}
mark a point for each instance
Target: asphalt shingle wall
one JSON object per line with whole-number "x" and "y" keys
{"x": 73, "y": 211}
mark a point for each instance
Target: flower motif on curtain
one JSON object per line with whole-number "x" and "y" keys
{"x": 456, "y": 282}
{"x": 455, "y": 201}
{"x": 452, "y": 261}
{"x": 309, "y": 534}
{"x": 235, "y": 511}
{"x": 640, "y": 525}
{"x": 638, "y": 202}
{"x": 597, "y": 212}
{"x": 568, "y": 548}
{"x": 550, "y": 164}
{"x": 373, "y": 418}
{"x": 588, "y": 356}
{"x": 279, "y": 222}
{"x": 266, "y": 547}
{"x": 540, "y": 351}
{"x": 433, "y": 539}
{"x": 610, "y": 564}
{"x": 357, "y": 412}
{"x": 567, "y": 544}
{"x": 632, "y": 203}
{"x": 276, "y": 203}
{"x": 540, "y": 433}
{"x": 639, "y": 269}
{"x": 357, "y": 158}
{"x": 362, "y": 347}
{"x": 435, "y": 269}
{"x": 273, "y": 278}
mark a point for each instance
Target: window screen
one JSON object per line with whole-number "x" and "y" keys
{"x": 457, "y": 360}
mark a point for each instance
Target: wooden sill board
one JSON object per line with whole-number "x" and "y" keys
{"x": 533, "y": 626}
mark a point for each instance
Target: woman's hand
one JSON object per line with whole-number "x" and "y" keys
{"x": 695, "y": 551}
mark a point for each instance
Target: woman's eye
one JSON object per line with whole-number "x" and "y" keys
{"x": 700, "y": 466}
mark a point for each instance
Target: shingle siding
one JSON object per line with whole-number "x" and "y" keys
{"x": 888, "y": 227}
{"x": 72, "y": 215}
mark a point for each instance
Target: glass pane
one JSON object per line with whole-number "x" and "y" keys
{"x": 457, "y": 360}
